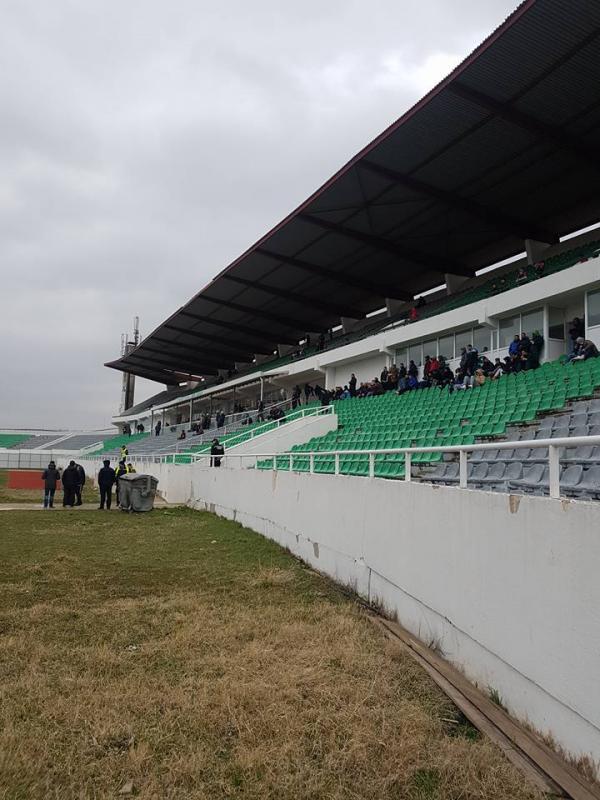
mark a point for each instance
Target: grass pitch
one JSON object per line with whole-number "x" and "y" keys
{"x": 178, "y": 655}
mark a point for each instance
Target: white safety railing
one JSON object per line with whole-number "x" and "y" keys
{"x": 554, "y": 456}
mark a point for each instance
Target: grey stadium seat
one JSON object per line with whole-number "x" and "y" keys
{"x": 560, "y": 433}
{"x": 579, "y": 419}
{"x": 571, "y": 478}
{"x": 594, "y": 418}
{"x": 580, "y": 430}
{"x": 589, "y": 486}
{"x": 532, "y": 477}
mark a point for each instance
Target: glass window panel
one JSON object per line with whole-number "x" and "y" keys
{"x": 593, "y": 309}
{"x": 532, "y": 321}
{"x": 481, "y": 338}
{"x": 463, "y": 339}
{"x": 430, "y": 348}
{"x": 508, "y": 327}
{"x": 402, "y": 357}
{"x": 414, "y": 354}
{"x": 556, "y": 323}
{"x": 446, "y": 346}
{"x": 495, "y": 339}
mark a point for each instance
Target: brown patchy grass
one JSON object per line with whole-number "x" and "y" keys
{"x": 198, "y": 660}
{"x": 89, "y": 494}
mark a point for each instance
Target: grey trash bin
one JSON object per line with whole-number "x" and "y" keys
{"x": 137, "y": 492}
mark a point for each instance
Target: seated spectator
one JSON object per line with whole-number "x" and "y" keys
{"x": 539, "y": 268}
{"x": 445, "y": 376}
{"x": 585, "y": 349}
{"x": 487, "y": 366}
{"x": 384, "y": 377}
{"x": 427, "y": 367}
{"x": 376, "y": 387}
{"x": 507, "y": 365}
{"x": 413, "y": 370}
{"x": 413, "y": 314}
{"x": 479, "y": 378}
{"x": 345, "y": 394}
{"x": 181, "y": 435}
{"x": 497, "y": 371}
{"x": 393, "y": 377}
{"x": 513, "y": 348}
{"x": 412, "y": 383}
{"x": 522, "y": 275}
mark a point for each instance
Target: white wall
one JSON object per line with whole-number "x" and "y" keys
{"x": 508, "y": 587}
{"x": 365, "y": 369}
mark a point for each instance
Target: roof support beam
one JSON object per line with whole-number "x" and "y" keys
{"x": 233, "y": 343}
{"x": 278, "y": 319}
{"x": 213, "y": 354}
{"x": 161, "y": 377}
{"x": 183, "y": 367}
{"x": 522, "y": 228}
{"x": 372, "y": 287}
{"x": 262, "y": 336}
{"x": 209, "y": 360}
{"x": 395, "y": 248}
{"x": 302, "y": 299}
{"x": 551, "y": 133}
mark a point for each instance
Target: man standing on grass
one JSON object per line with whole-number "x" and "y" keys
{"x": 106, "y": 479}
{"x": 119, "y": 472}
{"x": 80, "y": 483}
{"x": 51, "y": 477}
{"x": 70, "y": 481}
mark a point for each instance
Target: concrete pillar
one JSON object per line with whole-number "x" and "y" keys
{"x": 262, "y": 387}
{"x": 535, "y": 250}
{"x": 191, "y": 409}
{"x": 454, "y": 282}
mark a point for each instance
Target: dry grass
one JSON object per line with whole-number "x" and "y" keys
{"x": 197, "y": 660}
{"x": 89, "y": 495}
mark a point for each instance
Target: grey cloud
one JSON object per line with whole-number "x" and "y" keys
{"x": 144, "y": 145}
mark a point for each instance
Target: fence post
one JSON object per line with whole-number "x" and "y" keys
{"x": 371, "y": 465}
{"x": 407, "y": 467}
{"x": 462, "y": 461}
{"x": 336, "y": 468}
{"x": 554, "y": 471}
{"x": 311, "y": 460}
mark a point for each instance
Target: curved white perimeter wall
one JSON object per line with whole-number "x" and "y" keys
{"x": 508, "y": 587}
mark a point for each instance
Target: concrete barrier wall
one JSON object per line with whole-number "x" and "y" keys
{"x": 507, "y": 587}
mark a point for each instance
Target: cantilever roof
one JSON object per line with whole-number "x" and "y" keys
{"x": 505, "y": 148}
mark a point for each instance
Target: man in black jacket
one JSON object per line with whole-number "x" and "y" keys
{"x": 70, "y": 480}
{"x": 51, "y": 477}
{"x": 106, "y": 480}
{"x": 216, "y": 450}
{"x": 80, "y": 483}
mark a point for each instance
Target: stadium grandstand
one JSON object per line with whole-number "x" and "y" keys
{"x": 404, "y": 373}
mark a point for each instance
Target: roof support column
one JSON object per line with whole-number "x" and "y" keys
{"x": 454, "y": 282}
{"x": 348, "y": 324}
{"x": 535, "y": 250}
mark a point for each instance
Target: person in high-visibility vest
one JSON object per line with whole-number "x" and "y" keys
{"x": 124, "y": 452}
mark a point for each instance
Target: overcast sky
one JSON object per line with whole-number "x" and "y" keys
{"x": 145, "y": 144}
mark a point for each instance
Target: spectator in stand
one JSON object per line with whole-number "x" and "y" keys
{"x": 321, "y": 342}
{"x": 80, "y": 484}
{"x": 216, "y": 451}
{"x": 576, "y": 331}
{"x": 413, "y": 314}
{"x": 539, "y": 268}
{"x": 70, "y": 478}
{"x": 51, "y": 477}
{"x": 445, "y": 375}
{"x": 487, "y": 366}
{"x": 521, "y": 275}
{"x": 157, "y": 428}
{"x": 513, "y": 349}
{"x": 480, "y": 378}
{"x": 421, "y": 302}
{"x": 498, "y": 370}
{"x": 260, "y": 415}
{"x": 106, "y": 480}
{"x": 352, "y": 385}
{"x": 345, "y": 394}
{"x": 308, "y": 392}
{"x": 402, "y": 376}
{"x": 535, "y": 350}
{"x": 507, "y": 365}
{"x": 181, "y": 436}
{"x": 296, "y": 396}
{"x": 471, "y": 361}
{"x": 434, "y": 367}
{"x": 413, "y": 370}
{"x": 384, "y": 377}
{"x": 585, "y": 349}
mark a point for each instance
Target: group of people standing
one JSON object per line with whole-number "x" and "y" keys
{"x": 72, "y": 479}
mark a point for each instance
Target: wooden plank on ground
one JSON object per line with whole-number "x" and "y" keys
{"x": 536, "y": 758}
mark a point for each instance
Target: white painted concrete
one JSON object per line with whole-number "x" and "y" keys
{"x": 506, "y": 586}
{"x": 289, "y": 434}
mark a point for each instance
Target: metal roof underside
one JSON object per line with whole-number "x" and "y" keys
{"x": 506, "y": 148}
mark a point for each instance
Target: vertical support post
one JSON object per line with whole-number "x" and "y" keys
{"x": 371, "y": 465}
{"x": 336, "y": 468}
{"x": 554, "y": 471}
{"x": 191, "y": 410}
{"x": 262, "y": 387}
{"x": 311, "y": 461}
{"x": 463, "y": 469}
{"x": 407, "y": 467}
{"x": 162, "y": 427}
